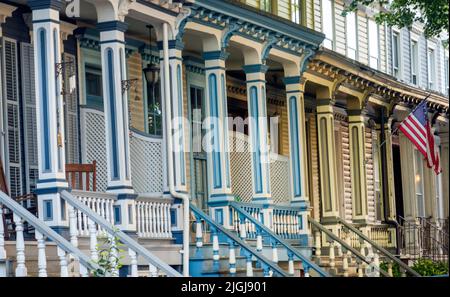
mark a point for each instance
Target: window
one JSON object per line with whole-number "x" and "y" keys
{"x": 418, "y": 168}
{"x": 374, "y": 48}
{"x": 198, "y": 115}
{"x": 295, "y": 11}
{"x": 396, "y": 53}
{"x": 265, "y": 5}
{"x": 439, "y": 198}
{"x": 431, "y": 69}
{"x": 94, "y": 86}
{"x": 351, "y": 33}
{"x": 154, "y": 110}
{"x": 446, "y": 74}
{"x": 414, "y": 61}
{"x": 327, "y": 23}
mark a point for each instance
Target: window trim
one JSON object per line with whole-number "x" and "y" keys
{"x": 333, "y": 40}
{"x": 431, "y": 73}
{"x": 418, "y": 156}
{"x": 356, "y": 36}
{"x": 378, "y": 43}
{"x": 415, "y": 69}
{"x": 399, "y": 54}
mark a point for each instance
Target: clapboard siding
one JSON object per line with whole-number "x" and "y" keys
{"x": 423, "y": 81}
{"x": 370, "y": 175}
{"x": 383, "y": 58}
{"x": 389, "y": 50}
{"x": 363, "y": 49}
{"x": 339, "y": 23}
{"x": 310, "y": 13}
{"x": 284, "y": 9}
{"x": 318, "y": 15}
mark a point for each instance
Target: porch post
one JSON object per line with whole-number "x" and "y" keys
{"x": 49, "y": 111}
{"x": 217, "y": 111}
{"x": 297, "y": 151}
{"x": 328, "y": 171}
{"x": 112, "y": 40}
{"x": 258, "y": 131}
{"x": 178, "y": 133}
{"x": 357, "y": 164}
{"x": 390, "y": 170}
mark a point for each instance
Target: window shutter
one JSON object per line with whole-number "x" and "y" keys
{"x": 11, "y": 95}
{"x": 29, "y": 116}
{"x": 71, "y": 113}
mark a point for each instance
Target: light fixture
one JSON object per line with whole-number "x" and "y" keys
{"x": 152, "y": 70}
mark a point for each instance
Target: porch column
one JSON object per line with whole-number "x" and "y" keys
{"x": 217, "y": 128}
{"x": 328, "y": 171}
{"x": 49, "y": 112}
{"x": 358, "y": 165}
{"x": 178, "y": 125}
{"x": 115, "y": 99}
{"x": 297, "y": 151}
{"x": 297, "y": 141}
{"x": 444, "y": 165}
{"x": 258, "y": 131}
{"x": 390, "y": 170}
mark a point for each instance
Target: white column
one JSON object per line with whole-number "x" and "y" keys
{"x": 444, "y": 164}
{"x": 49, "y": 111}
{"x": 258, "y": 131}
{"x": 115, "y": 99}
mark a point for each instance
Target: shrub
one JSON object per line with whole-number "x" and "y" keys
{"x": 428, "y": 267}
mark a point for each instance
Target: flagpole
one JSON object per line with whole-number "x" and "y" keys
{"x": 396, "y": 129}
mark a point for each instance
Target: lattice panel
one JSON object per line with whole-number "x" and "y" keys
{"x": 279, "y": 179}
{"x": 241, "y": 172}
{"x": 146, "y": 164}
{"x": 95, "y": 145}
{"x": 241, "y": 167}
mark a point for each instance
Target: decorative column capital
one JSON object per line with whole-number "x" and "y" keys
{"x": 216, "y": 55}
{"x": 112, "y": 26}
{"x": 255, "y": 68}
{"x": 45, "y": 4}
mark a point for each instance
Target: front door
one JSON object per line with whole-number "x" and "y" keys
{"x": 199, "y": 169}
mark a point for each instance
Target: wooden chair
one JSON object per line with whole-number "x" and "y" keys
{"x": 75, "y": 172}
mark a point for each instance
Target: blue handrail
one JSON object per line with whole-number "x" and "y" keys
{"x": 286, "y": 245}
{"x": 275, "y": 268}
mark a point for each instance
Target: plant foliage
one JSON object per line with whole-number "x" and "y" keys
{"x": 109, "y": 259}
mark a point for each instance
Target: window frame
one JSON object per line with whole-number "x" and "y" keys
{"x": 414, "y": 61}
{"x": 396, "y": 69}
{"x": 431, "y": 67}
{"x": 371, "y": 56}
{"x": 332, "y": 30}
{"x": 355, "y": 17}
{"x": 419, "y": 172}
{"x": 296, "y": 4}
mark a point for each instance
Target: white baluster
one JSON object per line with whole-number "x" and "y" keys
{"x": 249, "y": 265}
{"x": 21, "y": 269}
{"x": 242, "y": 231}
{"x": 376, "y": 265}
{"x": 2, "y": 240}
{"x": 274, "y": 252}
{"x": 85, "y": 218}
{"x": 390, "y": 272}
{"x": 345, "y": 264}
{"x": 232, "y": 259}
{"x": 152, "y": 220}
{"x": 317, "y": 243}
{"x": 153, "y": 271}
{"x": 361, "y": 269}
{"x": 331, "y": 255}
{"x": 165, "y": 222}
{"x": 79, "y": 222}
{"x": 291, "y": 264}
{"x": 42, "y": 259}
{"x": 198, "y": 233}
{"x": 306, "y": 270}
{"x": 73, "y": 227}
{"x": 138, "y": 219}
{"x": 93, "y": 240}
{"x": 114, "y": 257}
{"x": 259, "y": 245}
{"x": 133, "y": 263}
{"x": 215, "y": 245}
{"x": 102, "y": 211}
{"x": 160, "y": 220}
{"x": 63, "y": 263}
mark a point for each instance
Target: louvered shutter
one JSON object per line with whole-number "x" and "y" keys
{"x": 71, "y": 113}
{"x": 11, "y": 97}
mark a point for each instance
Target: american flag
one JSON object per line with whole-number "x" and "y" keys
{"x": 417, "y": 128}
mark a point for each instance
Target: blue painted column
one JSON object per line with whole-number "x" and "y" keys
{"x": 297, "y": 150}
{"x": 258, "y": 132}
{"x": 49, "y": 112}
{"x": 178, "y": 114}
{"x": 217, "y": 137}
{"x": 217, "y": 127}
{"x": 115, "y": 100}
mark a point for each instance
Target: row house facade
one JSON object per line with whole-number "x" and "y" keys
{"x": 116, "y": 114}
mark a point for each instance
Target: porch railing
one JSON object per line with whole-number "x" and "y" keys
{"x": 422, "y": 238}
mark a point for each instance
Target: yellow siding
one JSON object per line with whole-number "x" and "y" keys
{"x": 284, "y": 9}
{"x": 136, "y": 104}
{"x": 317, "y": 15}
{"x": 309, "y": 13}
{"x": 346, "y": 170}
{"x": 314, "y": 167}
{"x": 383, "y": 66}
{"x": 369, "y": 175}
